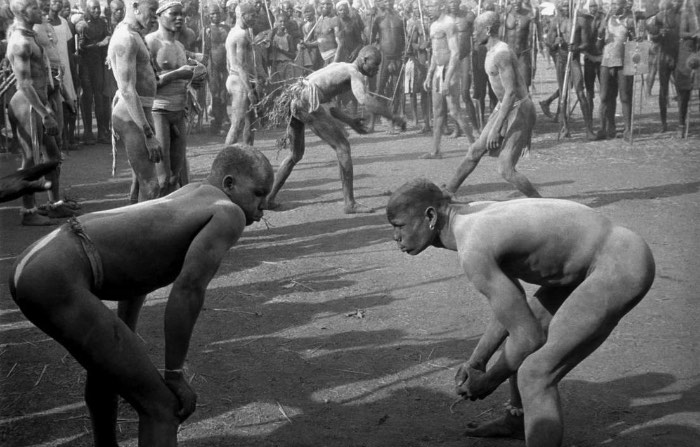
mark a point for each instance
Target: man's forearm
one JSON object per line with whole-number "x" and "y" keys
{"x": 181, "y": 314}
{"x": 488, "y": 344}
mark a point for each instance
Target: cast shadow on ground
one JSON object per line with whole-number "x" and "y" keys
{"x": 596, "y": 199}
{"x": 486, "y": 188}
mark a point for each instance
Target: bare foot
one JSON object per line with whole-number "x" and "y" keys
{"x": 431, "y": 156}
{"x": 36, "y": 220}
{"x": 507, "y": 426}
{"x": 356, "y": 208}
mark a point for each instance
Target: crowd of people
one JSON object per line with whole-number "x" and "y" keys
{"x": 150, "y": 71}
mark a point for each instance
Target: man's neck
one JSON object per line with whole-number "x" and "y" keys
{"x": 53, "y": 15}
{"x": 493, "y": 40}
{"x": 22, "y": 24}
{"x": 167, "y": 34}
{"x": 446, "y": 237}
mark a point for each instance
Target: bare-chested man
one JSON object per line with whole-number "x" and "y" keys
{"x": 243, "y": 79}
{"x": 351, "y": 28}
{"x": 302, "y": 106}
{"x": 417, "y": 66}
{"x": 687, "y": 70}
{"x": 308, "y": 56}
{"x": 464, "y": 22}
{"x": 215, "y": 50}
{"x": 559, "y": 43}
{"x": 593, "y": 54}
{"x": 388, "y": 33}
{"x": 132, "y": 118}
{"x": 617, "y": 29}
{"x": 30, "y": 111}
{"x": 590, "y": 273}
{"x": 123, "y": 254}
{"x": 443, "y": 78}
{"x": 328, "y": 35}
{"x": 508, "y": 132}
{"x": 664, "y": 29}
{"x": 174, "y": 74}
{"x": 519, "y": 25}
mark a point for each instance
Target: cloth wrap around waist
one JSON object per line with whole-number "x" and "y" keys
{"x": 146, "y": 103}
{"x": 90, "y": 250}
{"x": 518, "y": 113}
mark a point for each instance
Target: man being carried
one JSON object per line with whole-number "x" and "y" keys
{"x": 590, "y": 273}
{"x": 174, "y": 75}
{"x": 132, "y": 119}
{"x": 300, "y": 105}
{"x": 388, "y": 33}
{"x": 508, "y": 131}
{"x": 30, "y": 111}
{"x": 243, "y": 70}
{"x": 444, "y": 75}
{"x": 123, "y": 254}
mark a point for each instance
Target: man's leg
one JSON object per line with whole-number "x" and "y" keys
{"x": 471, "y": 159}
{"x": 20, "y": 116}
{"x": 608, "y": 97}
{"x": 664, "y": 77}
{"x": 582, "y": 323}
{"x": 466, "y": 86}
{"x": 66, "y": 310}
{"x": 161, "y": 128}
{"x": 513, "y": 146}
{"x": 239, "y": 109}
{"x": 297, "y": 146}
{"x": 178, "y": 151}
{"x": 332, "y": 132}
{"x": 439, "y": 116}
{"x": 382, "y": 78}
{"x": 577, "y": 80}
{"x": 626, "y": 84}
{"x": 98, "y": 87}
{"x": 134, "y": 142}
{"x": 589, "y": 75}
{"x": 86, "y": 102}
{"x": 456, "y": 111}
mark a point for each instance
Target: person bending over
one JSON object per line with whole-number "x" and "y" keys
{"x": 590, "y": 273}
{"x": 122, "y": 254}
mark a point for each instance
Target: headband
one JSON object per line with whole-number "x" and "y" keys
{"x": 167, "y": 4}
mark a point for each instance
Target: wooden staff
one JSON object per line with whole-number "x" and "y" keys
{"x": 564, "y": 93}
{"x": 422, "y": 20}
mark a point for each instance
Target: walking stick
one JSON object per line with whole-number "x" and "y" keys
{"x": 686, "y": 126}
{"x": 564, "y": 93}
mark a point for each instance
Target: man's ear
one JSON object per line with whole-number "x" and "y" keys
{"x": 432, "y": 216}
{"x": 228, "y": 182}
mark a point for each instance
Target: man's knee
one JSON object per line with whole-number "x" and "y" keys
{"x": 534, "y": 376}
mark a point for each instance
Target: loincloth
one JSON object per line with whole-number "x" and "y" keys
{"x": 521, "y": 118}
{"x": 328, "y": 55}
{"x": 298, "y": 100}
{"x": 414, "y": 77}
{"x": 439, "y": 78}
{"x": 90, "y": 250}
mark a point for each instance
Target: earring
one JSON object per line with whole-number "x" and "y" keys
{"x": 431, "y": 226}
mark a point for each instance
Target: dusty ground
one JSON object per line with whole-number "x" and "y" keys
{"x": 280, "y": 356}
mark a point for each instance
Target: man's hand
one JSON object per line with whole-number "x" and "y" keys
{"x": 50, "y": 124}
{"x": 494, "y": 139}
{"x": 359, "y": 126}
{"x": 469, "y": 382}
{"x": 175, "y": 380}
{"x": 426, "y": 83}
{"x": 26, "y": 181}
{"x": 155, "y": 151}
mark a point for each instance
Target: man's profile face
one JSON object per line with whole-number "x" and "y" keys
{"x": 309, "y": 15}
{"x": 65, "y": 10}
{"x": 247, "y": 19}
{"x": 411, "y": 230}
{"x": 147, "y": 17}
{"x": 481, "y": 34}
{"x": 249, "y": 194}
{"x": 172, "y": 18}
{"x": 33, "y": 12}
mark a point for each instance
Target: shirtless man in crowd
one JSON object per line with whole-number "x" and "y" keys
{"x": 518, "y": 27}
{"x": 174, "y": 74}
{"x": 593, "y": 53}
{"x": 243, "y": 80}
{"x": 301, "y": 105}
{"x": 444, "y": 75}
{"x": 215, "y": 51}
{"x": 590, "y": 273}
{"x": 30, "y": 111}
{"x": 664, "y": 30}
{"x": 388, "y": 33}
{"x": 617, "y": 29}
{"x": 508, "y": 132}
{"x": 123, "y": 254}
{"x": 464, "y": 22}
{"x": 132, "y": 118}
{"x": 328, "y": 35}
{"x": 417, "y": 67}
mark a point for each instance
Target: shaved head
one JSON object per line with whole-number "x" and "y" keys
{"x": 414, "y": 197}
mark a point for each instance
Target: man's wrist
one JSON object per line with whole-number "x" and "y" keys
{"x": 172, "y": 374}
{"x": 147, "y": 131}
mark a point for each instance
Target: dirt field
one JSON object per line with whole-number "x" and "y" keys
{"x": 317, "y": 331}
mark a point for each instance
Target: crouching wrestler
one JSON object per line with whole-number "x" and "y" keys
{"x": 590, "y": 272}
{"x": 122, "y": 254}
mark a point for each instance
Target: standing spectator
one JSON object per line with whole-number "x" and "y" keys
{"x": 116, "y": 15}
{"x": 93, "y": 38}
{"x": 593, "y": 54}
{"x": 283, "y": 51}
{"x": 64, "y": 45}
{"x": 308, "y": 56}
{"x": 215, "y": 52}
